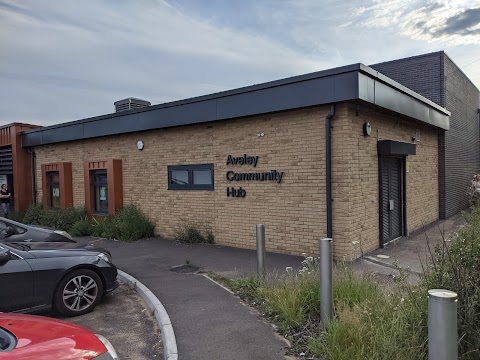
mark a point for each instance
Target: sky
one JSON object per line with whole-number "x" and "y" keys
{"x": 68, "y": 60}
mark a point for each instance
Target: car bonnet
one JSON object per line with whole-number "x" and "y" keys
{"x": 45, "y": 338}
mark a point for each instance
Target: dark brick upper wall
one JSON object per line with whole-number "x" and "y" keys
{"x": 462, "y": 155}
{"x": 436, "y": 77}
{"x": 422, "y": 74}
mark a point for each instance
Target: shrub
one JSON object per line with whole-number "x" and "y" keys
{"x": 16, "y": 216}
{"x": 66, "y": 218}
{"x": 33, "y": 215}
{"x": 131, "y": 224}
{"x": 61, "y": 219}
{"x": 82, "y": 227}
{"x": 194, "y": 232}
{"x": 103, "y": 227}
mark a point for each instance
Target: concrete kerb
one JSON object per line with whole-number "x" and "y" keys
{"x": 170, "y": 351}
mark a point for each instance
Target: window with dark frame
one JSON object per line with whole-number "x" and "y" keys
{"x": 100, "y": 191}
{"x": 190, "y": 177}
{"x": 53, "y": 178}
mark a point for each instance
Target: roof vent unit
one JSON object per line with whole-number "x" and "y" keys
{"x": 130, "y": 104}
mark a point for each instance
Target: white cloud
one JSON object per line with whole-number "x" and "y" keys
{"x": 448, "y": 22}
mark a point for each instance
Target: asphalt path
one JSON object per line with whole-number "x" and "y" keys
{"x": 209, "y": 322}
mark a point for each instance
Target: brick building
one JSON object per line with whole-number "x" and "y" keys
{"x": 436, "y": 77}
{"x": 347, "y": 153}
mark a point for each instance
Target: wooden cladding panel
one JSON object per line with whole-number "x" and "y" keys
{"x": 97, "y": 165}
{"x": 114, "y": 183}
{"x": 6, "y": 136}
{"x": 65, "y": 183}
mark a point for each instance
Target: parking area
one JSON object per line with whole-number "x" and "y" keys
{"x": 123, "y": 318}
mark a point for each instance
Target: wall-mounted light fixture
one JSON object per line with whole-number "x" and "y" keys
{"x": 260, "y": 134}
{"x": 140, "y": 145}
{"x": 367, "y": 129}
{"x": 416, "y": 138}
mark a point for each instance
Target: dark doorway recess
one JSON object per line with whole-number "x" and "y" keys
{"x": 392, "y": 198}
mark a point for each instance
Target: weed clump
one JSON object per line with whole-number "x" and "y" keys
{"x": 194, "y": 232}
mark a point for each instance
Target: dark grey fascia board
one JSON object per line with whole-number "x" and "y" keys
{"x": 398, "y": 148}
{"x": 334, "y": 85}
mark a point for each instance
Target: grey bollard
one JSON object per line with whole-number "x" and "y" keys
{"x": 326, "y": 280}
{"x": 442, "y": 325}
{"x": 261, "y": 250}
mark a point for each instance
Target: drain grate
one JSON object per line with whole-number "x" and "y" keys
{"x": 185, "y": 269}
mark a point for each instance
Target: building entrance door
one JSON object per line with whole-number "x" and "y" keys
{"x": 391, "y": 194}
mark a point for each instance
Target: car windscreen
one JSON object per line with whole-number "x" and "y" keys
{"x": 12, "y": 245}
{"x": 7, "y": 340}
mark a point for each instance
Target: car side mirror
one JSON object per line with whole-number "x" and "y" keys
{"x": 5, "y": 256}
{"x": 10, "y": 231}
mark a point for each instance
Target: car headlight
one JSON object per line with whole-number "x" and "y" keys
{"x": 110, "y": 350}
{"x": 64, "y": 234}
{"x": 105, "y": 257}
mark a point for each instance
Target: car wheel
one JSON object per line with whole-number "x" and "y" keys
{"x": 78, "y": 293}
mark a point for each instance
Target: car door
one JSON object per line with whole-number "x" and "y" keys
{"x": 16, "y": 284}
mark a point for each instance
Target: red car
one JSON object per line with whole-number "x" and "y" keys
{"x": 29, "y": 337}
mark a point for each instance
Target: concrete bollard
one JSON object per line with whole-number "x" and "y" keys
{"x": 442, "y": 325}
{"x": 261, "y": 250}
{"x": 326, "y": 280}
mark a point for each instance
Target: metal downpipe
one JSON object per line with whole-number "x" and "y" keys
{"x": 328, "y": 166}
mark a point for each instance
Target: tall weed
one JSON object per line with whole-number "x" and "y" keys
{"x": 456, "y": 266}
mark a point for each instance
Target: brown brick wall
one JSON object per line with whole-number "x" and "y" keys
{"x": 356, "y": 175}
{"x": 293, "y": 211}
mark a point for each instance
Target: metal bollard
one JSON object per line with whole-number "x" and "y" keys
{"x": 326, "y": 280}
{"x": 261, "y": 250}
{"x": 442, "y": 325}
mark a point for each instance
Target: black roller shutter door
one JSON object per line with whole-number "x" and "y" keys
{"x": 391, "y": 198}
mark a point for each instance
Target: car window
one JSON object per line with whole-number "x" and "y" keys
{"x": 3, "y": 229}
{"x": 19, "y": 229}
{"x": 7, "y": 340}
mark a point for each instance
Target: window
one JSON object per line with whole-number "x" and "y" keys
{"x": 190, "y": 177}
{"x": 100, "y": 191}
{"x": 54, "y": 189}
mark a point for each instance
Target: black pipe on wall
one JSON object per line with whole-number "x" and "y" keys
{"x": 34, "y": 176}
{"x": 328, "y": 165}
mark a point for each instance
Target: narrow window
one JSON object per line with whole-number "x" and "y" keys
{"x": 53, "y": 178}
{"x": 191, "y": 177}
{"x": 100, "y": 191}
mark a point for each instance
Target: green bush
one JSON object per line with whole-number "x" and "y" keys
{"x": 33, "y": 215}
{"x": 128, "y": 224}
{"x": 61, "y": 219}
{"x": 103, "y": 227}
{"x": 16, "y": 216}
{"x": 66, "y": 218}
{"x": 131, "y": 224}
{"x": 193, "y": 232}
{"x": 82, "y": 227}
